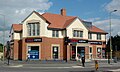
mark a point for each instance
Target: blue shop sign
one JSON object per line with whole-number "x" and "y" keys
{"x": 34, "y": 54}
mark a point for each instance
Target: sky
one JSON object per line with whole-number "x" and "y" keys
{"x": 95, "y": 11}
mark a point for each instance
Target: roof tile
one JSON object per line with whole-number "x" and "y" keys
{"x": 17, "y": 27}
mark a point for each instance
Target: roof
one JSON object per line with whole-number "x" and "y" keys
{"x": 57, "y": 20}
{"x": 17, "y": 27}
{"x": 96, "y": 30}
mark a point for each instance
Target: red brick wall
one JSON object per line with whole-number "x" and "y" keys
{"x": 86, "y": 52}
{"x": 45, "y": 47}
{"x": 15, "y": 49}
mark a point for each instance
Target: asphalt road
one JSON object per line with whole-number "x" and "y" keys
{"x": 58, "y": 67}
{"x": 25, "y": 69}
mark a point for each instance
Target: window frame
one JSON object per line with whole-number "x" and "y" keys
{"x": 89, "y": 35}
{"x": 33, "y": 29}
{"x": 98, "y": 36}
{"x": 78, "y": 33}
{"x": 55, "y": 33}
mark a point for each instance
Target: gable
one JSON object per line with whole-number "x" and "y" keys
{"x": 76, "y": 24}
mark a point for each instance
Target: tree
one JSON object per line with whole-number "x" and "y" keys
{"x": 115, "y": 43}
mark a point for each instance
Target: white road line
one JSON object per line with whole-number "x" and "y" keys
{"x": 16, "y": 66}
{"x": 118, "y": 70}
{"x": 57, "y": 67}
{"x": 50, "y": 67}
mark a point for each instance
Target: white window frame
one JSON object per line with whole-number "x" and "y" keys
{"x": 78, "y": 33}
{"x": 89, "y": 35}
{"x": 98, "y": 36}
{"x": 55, "y": 33}
{"x": 53, "y": 45}
{"x": 30, "y": 29}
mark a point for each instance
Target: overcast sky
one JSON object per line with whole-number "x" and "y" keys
{"x": 96, "y": 11}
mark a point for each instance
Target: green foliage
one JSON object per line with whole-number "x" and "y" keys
{"x": 1, "y": 47}
{"x": 115, "y": 43}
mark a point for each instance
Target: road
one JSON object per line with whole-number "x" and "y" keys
{"x": 58, "y": 67}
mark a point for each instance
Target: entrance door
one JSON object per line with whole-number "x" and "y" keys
{"x": 81, "y": 52}
{"x": 33, "y": 52}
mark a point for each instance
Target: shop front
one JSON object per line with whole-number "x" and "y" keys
{"x": 33, "y": 48}
{"x": 33, "y": 52}
{"x": 78, "y": 48}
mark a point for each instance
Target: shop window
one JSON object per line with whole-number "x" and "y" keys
{"x": 73, "y": 52}
{"x": 99, "y": 52}
{"x": 33, "y": 52}
{"x": 33, "y": 29}
{"x": 55, "y": 33}
{"x": 55, "y": 52}
{"x": 103, "y": 52}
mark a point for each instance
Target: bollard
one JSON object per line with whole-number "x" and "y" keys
{"x": 96, "y": 65}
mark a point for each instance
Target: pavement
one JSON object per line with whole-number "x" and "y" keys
{"x": 60, "y": 64}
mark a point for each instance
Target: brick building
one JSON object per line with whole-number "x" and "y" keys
{"x": 44, "y": 37}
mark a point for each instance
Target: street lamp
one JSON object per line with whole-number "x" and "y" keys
{"x": 3, "y": 34}
{"x": 110, "y": 38}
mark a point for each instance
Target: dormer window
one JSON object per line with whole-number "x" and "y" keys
{"x": 33, "y": 29}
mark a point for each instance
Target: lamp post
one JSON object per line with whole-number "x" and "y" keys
{"x": 3, "y": 34}
{"x": 110, "y": 38}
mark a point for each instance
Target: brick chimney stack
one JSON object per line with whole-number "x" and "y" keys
{"x": 63, "y": 12}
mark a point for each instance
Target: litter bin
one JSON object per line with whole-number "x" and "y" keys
{"x": 96, "y": 64}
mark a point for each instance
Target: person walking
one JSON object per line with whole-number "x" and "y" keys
{"x": 28, "y": 57}
{"x": 83, "y": 61}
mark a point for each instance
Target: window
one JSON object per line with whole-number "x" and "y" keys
{"x": 99, "y": 52}
{"x": 90, "y": 49}
{"x": 98, "y": 36}
{"x": 55, "y": 33}
{"x": 77, "y": 33}
{"x": 33, "y": 29}
{"x": 89, "y": 35}
{"x": 55, "y": 52}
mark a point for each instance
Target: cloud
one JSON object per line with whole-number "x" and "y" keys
{"x": 16, "y": 10}
{"x": 115, "y": 19}
{"x": 105, "y": 25}
{"x": 113, "y": 5}
{"x": 93, "y": 19}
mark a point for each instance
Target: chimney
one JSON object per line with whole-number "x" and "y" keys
{"x": 63, "y": 12}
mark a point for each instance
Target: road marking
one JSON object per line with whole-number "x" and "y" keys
{"x": 50, "y": 67}
{"x": 58, "y": 67}
{"x": 77, "y": 67}
{"x": 115, "y": 70}
{"x": 16, "y": 66}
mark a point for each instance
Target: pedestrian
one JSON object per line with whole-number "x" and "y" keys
{"x": 28, "y": 57}
{"x": 83, "y": 61}
{"x": 78, "y": 57}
